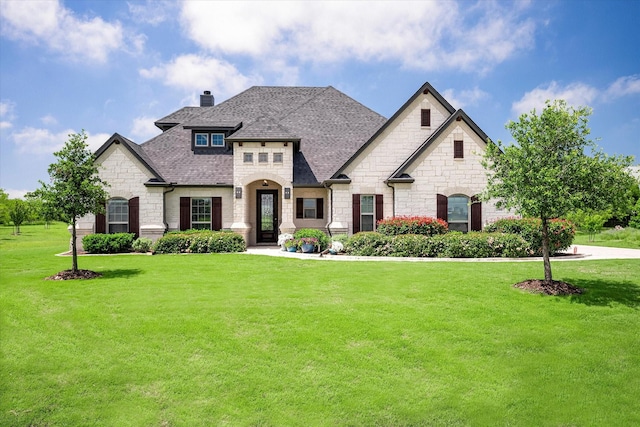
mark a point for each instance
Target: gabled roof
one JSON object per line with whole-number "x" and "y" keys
{"x": 134, "y": 149}
{"x": 329, "y": 125}
{"x": 400, "y": 174}
{"x": 425, "y": 89}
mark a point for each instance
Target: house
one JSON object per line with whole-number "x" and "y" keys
{"x": 271, "y": 160}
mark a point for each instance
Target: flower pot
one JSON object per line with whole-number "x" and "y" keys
{"x": 307, "y": 248}
{"x": 292, "y": 249}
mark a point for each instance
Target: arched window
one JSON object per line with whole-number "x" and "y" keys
{"x": 118, "y": 216}
{"x": 458, "y": 212}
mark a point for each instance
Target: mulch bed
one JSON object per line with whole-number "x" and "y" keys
{"x": 71, "y": 275}
{"x": 555, "y": 287}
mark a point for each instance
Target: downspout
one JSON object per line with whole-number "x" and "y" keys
{"x": 393, "y": 196}
{"x": 164, "y": 206}
{"x": 330, "y": 215}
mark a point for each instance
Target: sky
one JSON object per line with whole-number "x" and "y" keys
{"x": 118, "y": 66}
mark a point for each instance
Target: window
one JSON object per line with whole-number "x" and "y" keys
{"x": 201, "y": 213}
{"x": 263, "y": 157}
{"x": 217, "y": 140}
{"x": 277, "y": 157}
{"x": 425, "y": 119}
{"x": 367, "y": 213}
{"x": 202, "y": 140}
{"x": 117, "y": 216}
{"x": 458, "y": 213}
{"x": 309, "y": 208}
{"x": 248, "y": 157}
{"x": 458, "y": 149}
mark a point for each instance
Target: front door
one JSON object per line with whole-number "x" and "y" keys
{"x": 267, "y": 218}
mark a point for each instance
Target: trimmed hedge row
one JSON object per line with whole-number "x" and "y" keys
{"x": 200, "y": 241}
{"x": 561, "y": 232}
{"x": 422, "y": 225}
{"x": 108, "y": 243}
{"x": 450, "y": 245}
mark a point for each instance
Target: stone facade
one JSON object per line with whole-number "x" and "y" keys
{"x": 407, "y": 164}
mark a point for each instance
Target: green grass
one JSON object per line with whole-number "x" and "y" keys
{"x": 626, "y": 238}
{"x": 248, "y": 340}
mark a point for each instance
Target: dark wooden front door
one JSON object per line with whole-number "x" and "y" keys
{"x": 267, "y": 216}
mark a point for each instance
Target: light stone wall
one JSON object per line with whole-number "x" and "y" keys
{"x": 126, "y": 177}
{"x": 312, "y": 193}
{"x": 173, "y": 203}
{"x": 382, "y": 157}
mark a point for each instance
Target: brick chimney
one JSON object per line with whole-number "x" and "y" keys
{"x": 206, "y": 99}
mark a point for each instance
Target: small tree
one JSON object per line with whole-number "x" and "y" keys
{"x": 18, "y": 213}
{"x": 4, "y": 207}
{"x": 75, "y": 189}
{"x": 548, "y": 174}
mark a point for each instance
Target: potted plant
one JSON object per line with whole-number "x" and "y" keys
{"x": 308, "y": 244}
{"x": 291, "y": 245}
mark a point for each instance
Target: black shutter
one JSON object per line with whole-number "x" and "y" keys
{"x": 458, "y": 149}
{"x": 185, "y": 213}
{"x": 356, "y": 213}
{"x": 319, "y": 208}
{"x": 476, "y": 214}
{"x": 101, "y": 223}
{"x": 216, "y": 213}
{"x": 299, "y": 207}
{"x": 442, "y": 207}
{"x": 379, "y": 208}
{"x": 426, "y": 117}
{"x": 134, "y": 216}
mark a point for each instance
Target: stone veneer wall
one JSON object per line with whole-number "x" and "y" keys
{"x": 126, "y": 177}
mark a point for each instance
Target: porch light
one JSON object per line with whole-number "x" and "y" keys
{"x": 238, "y": 192}
{"x": 287, "y": 193}
{"x": 265, "y": 183}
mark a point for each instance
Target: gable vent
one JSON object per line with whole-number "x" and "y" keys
{"x": 206, "y": 99}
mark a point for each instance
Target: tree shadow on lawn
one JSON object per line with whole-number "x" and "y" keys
{"x": 605, "y": 293}
{"x": 120, "y": 273}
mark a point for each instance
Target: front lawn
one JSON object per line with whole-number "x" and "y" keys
{"x": 626, "y": 238}
{"x": 237, "y": 339}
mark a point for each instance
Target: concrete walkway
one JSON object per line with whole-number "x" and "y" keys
{"x": 575, "y": 253}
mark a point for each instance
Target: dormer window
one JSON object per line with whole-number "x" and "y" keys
{"x": 202, "y": 140}
{"x": 217, "y": 140}
{"x": 208, "y": 140}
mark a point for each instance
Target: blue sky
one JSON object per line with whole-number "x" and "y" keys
{"x": 117, "y": 66}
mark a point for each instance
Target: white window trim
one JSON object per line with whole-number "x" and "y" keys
{"x": 371, "y": 214}
{"x": 461, "y": 221}
{"x": 125, "y": 203}
{"x": 217, "y": 145}
{"x": 194, "y": 223}
{"x": 305, "y": 208}
{"x": 195, "y": 141}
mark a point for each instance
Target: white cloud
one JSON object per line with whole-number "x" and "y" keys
{"x": 576, "y": 94}
{"x": 152, "y": 12}
{"x": 464, "y": 98}
{"x": 49, "y": 120}
{"x": 16, "y": 194}
{"x": 627, "y": 85}
{"x": 198, "y": 73}
{"x": 420, "y": 35}
{"x": 6, "y": 114}
{"x": 37, "y": 141}
{"x": 143, "y": 129}
{"x": 50, "y": 24}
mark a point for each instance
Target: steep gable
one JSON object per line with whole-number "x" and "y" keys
{"x": 134, "y": 149}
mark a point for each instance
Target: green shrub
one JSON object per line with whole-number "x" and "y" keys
{"x": 200, "y": 241}
{"x": 323, "y": 239}
{"x": 561, "y": 232}
{"x": 142, "y": 244}
{"x": 108, "y": 243}
{"x": 342, "y": 238}
{"x": 634, "y": 221}
{"x": 368, "y": 243}
{"x": 422, "y": 225}
{"x": 410, "y": 245}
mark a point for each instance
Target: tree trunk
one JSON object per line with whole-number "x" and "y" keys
{"x": 74, "y": 250}
{"x": 545, "y": 251}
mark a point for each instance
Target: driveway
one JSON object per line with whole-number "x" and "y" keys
{"x": 575, "y": 253}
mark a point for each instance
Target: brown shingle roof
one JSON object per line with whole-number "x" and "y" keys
{"x": 330, "y": 126}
